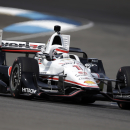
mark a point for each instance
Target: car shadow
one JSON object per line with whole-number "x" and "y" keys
{"x": 68, "y": 101}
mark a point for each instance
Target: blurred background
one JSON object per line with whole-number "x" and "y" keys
{"x": 108, "y": 39}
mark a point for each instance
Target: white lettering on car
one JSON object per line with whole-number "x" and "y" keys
{"x": 90, "y": 65}
{"x": 25, "y": 45}
{"x": 28, "y": 90}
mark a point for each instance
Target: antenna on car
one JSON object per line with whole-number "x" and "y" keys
{"x": 57, "y": 28}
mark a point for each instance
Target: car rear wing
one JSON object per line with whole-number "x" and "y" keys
{"x": 20, "y": 47}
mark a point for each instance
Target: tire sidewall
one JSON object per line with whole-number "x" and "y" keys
{"x": 15, "y": 90}
{"x": 124, "y": 105}
{"x": 122, "y": 74}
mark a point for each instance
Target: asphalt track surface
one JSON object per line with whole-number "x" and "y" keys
{"x": 108, "y": 40}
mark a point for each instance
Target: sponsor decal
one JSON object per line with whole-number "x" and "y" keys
{"x": 89, "y": 82}
{"x": 90, "y": 65}
{"x": 82, "y": 78}
{"x": 15, "y": 44}
{"x": 28, "y": 90}
{"x": 65, "y": 59}
{"x": 19, "y": 74}
{"x": 81, "y": 72}
{"x": 43, "y": 72}
{"x": 125, "y": 80}
{"x": 122, "y": 96}
{"x": 33, "y": 46}
{"x": 94, "y": 60}
{"x": 77, "y": 75}
{"x": 66, "y": 63}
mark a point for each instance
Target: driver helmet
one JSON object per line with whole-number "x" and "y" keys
{"x": 58, "y": 52}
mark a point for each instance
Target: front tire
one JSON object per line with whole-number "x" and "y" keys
{"x": 21, "y": 66}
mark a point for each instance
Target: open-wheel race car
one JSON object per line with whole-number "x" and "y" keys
{"x": 57, "y": 72}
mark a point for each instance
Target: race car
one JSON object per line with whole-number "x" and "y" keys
{"x": 57, "y": 73}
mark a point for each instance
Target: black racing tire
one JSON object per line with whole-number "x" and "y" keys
{"x": 124, "y": 105}
{"x": 20, "y": 65}
{"x": 15, "y": 82}
{"x": 123, "y": 75}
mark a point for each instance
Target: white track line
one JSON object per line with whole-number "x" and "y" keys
{"x": 49, "y": 24}
{"x": 86, "y": 26}
{"x": 13, "y": 11}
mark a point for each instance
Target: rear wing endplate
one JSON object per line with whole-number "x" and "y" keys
{"x": 0, "y": 37}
